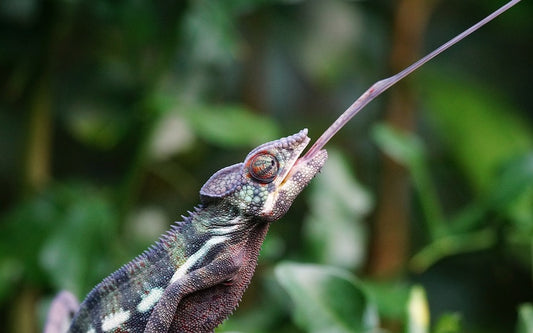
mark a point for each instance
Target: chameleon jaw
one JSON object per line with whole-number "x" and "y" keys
{"x": 298, "y": 176}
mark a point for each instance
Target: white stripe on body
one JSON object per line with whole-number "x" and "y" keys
{"x": 150, "y": 299}
{"x": 114, "y": 320}
{"x": 198, "y": 255}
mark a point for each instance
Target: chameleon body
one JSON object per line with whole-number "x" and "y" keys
{"x": 193, "y": 277}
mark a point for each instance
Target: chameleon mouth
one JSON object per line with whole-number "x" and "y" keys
{"x": 316, "y": 148}
{"x": 305, "y": 167}
{"x": 314, "y": 161}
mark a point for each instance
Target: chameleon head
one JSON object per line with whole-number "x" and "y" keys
{"x": 269, "y": 179}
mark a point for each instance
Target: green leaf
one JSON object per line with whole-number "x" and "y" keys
{"x": 326, "y": 299}
{"x": 482, "y": 130}
{"x": 452, "y": 244}
{"x": 407, "y": 149}
{"x": 212, "y": 36}
{"x": 525, "y": 319}
{"x": 72, "y": 231}
{"x": 448, "y": 323}
{"x": 96, "y": 125}
{"x": 338, "y": 203}
{"x": 390, "y": 296}
{"x": 75, "y": 255}
{"x": 511, "y": 195}
{"x": 513, "y": 192}
{"x": 403, "y": 147}
{"x": 231, "y": 126}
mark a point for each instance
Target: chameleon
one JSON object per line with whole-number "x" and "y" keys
{"x": 194, "y": 276}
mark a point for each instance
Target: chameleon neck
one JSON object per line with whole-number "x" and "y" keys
{"x": 134, "y": 289}
{"x": 220, "y": 301}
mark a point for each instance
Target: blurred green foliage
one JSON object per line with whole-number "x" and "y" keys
{"x": 525, "y": 319}
{"x": 114, "y": 113}
{"x": 326, "y": 299}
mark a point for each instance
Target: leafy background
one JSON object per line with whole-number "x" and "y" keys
{"x": 114, "y": 113}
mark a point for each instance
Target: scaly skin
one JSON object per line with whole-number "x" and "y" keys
{"x": 194, "y": 276}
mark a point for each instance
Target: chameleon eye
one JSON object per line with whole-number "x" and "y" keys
{"x": 264, "y": 167}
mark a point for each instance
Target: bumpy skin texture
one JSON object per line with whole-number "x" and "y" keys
{"x": 193, "y": 277}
